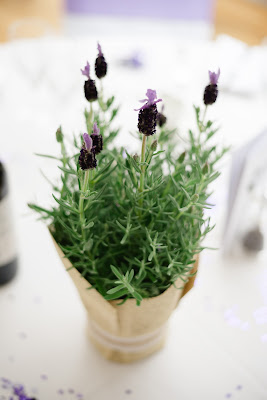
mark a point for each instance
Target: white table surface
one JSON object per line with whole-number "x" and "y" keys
{"x": 217, "y": 345}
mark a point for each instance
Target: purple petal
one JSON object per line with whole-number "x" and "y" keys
{"x": 99, "y": 50}
{"x": 151, "y": 95}
{"x": 96, "y": 130}
{"x": 86, "y": 70}
{"x": 214, "y": 77}
{"x": 88, "y": 141}
{"x": 151, "y": 99}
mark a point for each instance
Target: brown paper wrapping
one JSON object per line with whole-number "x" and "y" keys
{"x": 126, "y": 333}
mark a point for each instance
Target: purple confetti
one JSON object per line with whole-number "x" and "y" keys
{"x": 44, "y": 377}
{"x": 79, "y": 396}
{"x": 71, "y": 391}
{"x": 22, "y": 335}
{"x": 260, "y": 315}
{"x": 128, "y": 391}
{"x": 11, "y": 297}
{"x": 228, "y": 395}
{"x": 239, "y": 387}
{"x": 60, "y": 391}
{"x": 37, "y": 300}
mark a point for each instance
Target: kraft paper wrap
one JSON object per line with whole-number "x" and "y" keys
{"x": 127, "y": 332}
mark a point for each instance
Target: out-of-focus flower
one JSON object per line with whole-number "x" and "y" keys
{"x": 90, "y": 90}
{"x": 100, "y": 64}
{"x": 211, "y": 90}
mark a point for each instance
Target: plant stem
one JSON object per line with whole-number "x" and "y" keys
{"x": 64, "y": 162}
{"x": 81, "y": 202}
{"x": 143, "y": 170}
{"x": 204, "y": 115}
{"x": 90, "y": 119}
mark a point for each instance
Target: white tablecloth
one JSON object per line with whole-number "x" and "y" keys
{"x": 217, "y": 346}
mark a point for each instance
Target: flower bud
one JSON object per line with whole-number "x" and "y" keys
{"x": 154, "y": 145}
{"x": 182, "y": 157}
{"x": 59, "y": 135}
{"x": 136, "y": 157}
{"x": 195, "y": 198}
{"x": 205, "y": 169}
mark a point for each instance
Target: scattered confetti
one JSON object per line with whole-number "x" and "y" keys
{"x": 231, "y": 317}
{"x": 44, "y": 377}
{"x": 260, "y": 315}
{"x": 60, "y": 391}
{"x": 128, "y": 391}
{"x": 228, "y": 395}
{"x": 239, "y": 387}
{"x": 11, "y": 297}
{"x": 22, "y": 335}
{"x": 37, "y": 299}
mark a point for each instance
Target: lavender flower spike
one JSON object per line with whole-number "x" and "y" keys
{"x": 97, "y": 139}
{"x": 214, "y": 77}
{"x": 88, "y": 141}
{"x": 101, "y": 65}
{"x": 151, "y": 99}
{"x": 96, "y": 130}
{"x": 99, "y": 50}
{"x": 86, "y": 70}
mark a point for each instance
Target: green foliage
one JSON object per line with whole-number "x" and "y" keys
{"x": 126, "y": 241}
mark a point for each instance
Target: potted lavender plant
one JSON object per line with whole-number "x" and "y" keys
{"x": 129, "y": 227}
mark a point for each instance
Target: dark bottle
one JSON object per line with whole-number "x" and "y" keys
{"x": 8, "y": 256}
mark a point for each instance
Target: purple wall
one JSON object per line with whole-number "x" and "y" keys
{"x": 182, "y": 9}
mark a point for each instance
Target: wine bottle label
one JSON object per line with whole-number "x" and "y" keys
{"x": 7, "y": 239}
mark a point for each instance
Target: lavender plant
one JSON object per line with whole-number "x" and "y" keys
{"x": 133, "y": 224}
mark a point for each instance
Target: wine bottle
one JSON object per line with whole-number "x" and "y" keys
{"x": 8, "y": 256}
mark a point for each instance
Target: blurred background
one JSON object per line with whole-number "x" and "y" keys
{"x": 167, "y": 45}
{"x": 242, "y": 19}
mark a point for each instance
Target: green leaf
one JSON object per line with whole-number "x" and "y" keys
{"x": 115, "y": 289}
{"x": 68, "y": 171}
{"x": 89, "y": 225}
{"x": 117, "y": 295}
{"x": 116, "y": 272}
{"x": 48, "y": 156}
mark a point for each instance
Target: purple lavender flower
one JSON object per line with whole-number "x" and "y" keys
{"x": 211, "y": 90}
{"x": 99, "y": 50}
{"x": 87, "y": 158}
{"x": 97, "y": 139}
{"x": 147, "y": 117}
{"x": 214, "y": 77}
{"x": 86, "y": 70}
{"x": 88, "y": 141}
{"x": 151, "y": 99}
{"x": 96, "y": 130}
{"x": 90, "y": 90}
{"x": 100, "y": 64}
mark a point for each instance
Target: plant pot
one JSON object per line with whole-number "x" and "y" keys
{"x": 126, "y": 333}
